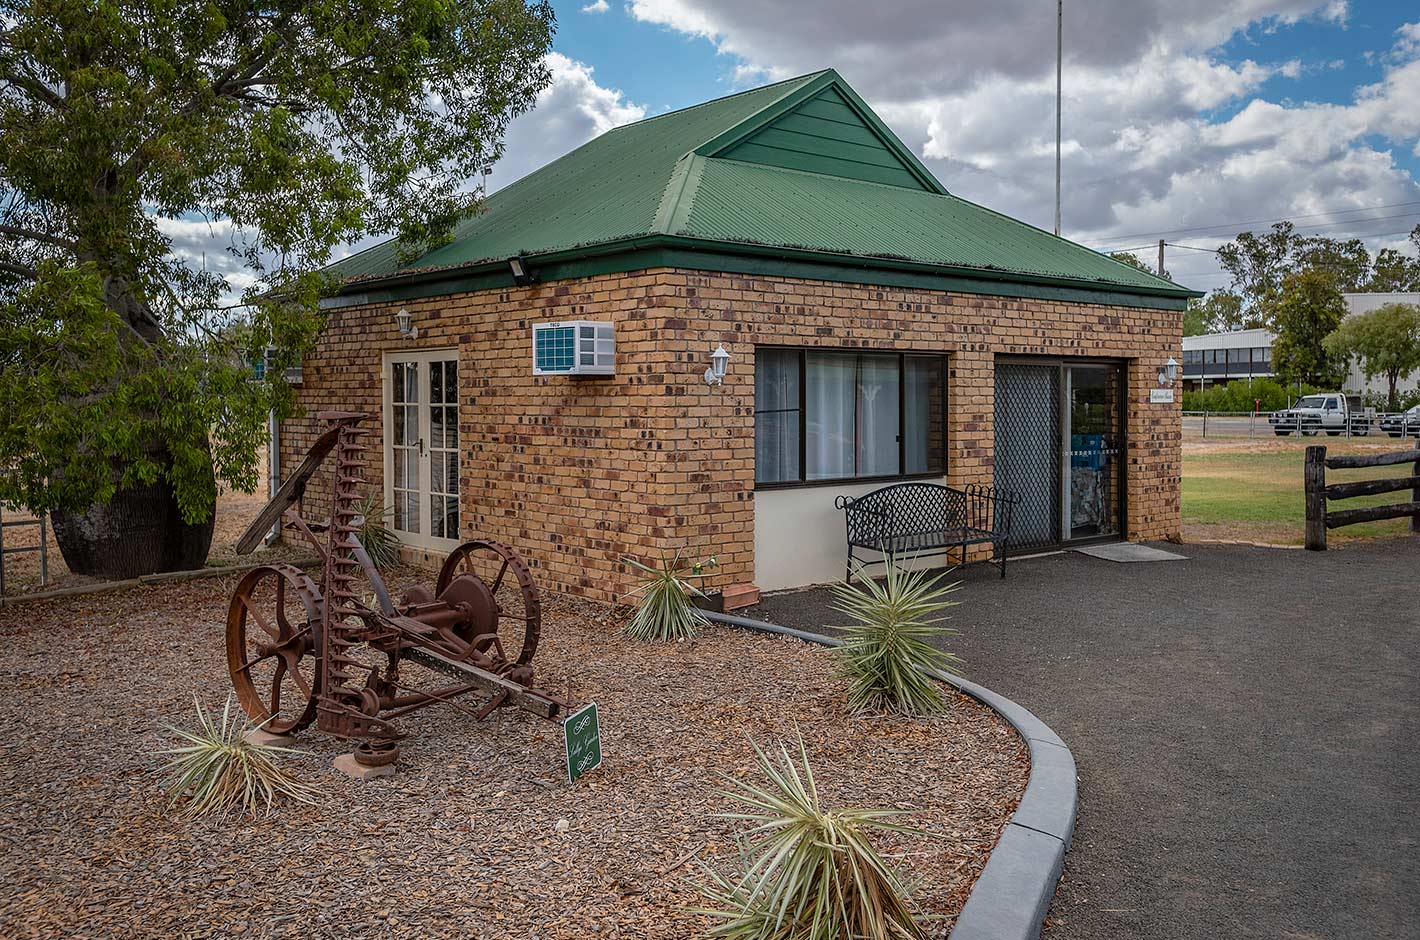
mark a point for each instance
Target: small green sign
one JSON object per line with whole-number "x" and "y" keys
{"x": 583, "y": 735}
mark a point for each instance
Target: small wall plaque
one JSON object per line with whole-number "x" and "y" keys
{"x": 1161, "y": 396}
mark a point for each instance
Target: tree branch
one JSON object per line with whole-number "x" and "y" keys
{"x": 20, "y": 269}
{"x": 32, "y": 85}
{"x": 33, "y": 235}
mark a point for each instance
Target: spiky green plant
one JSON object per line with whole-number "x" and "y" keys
{"x": 220, "y": 772}
{"x": 663, "y": 607}
{"x": 806, "y": 872}
{"x": 898, "y": 623}
{"x": 375, "y": 533}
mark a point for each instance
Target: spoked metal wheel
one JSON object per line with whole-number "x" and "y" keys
{"x": 273, "y": 650}
{"x": 494, "y": 581}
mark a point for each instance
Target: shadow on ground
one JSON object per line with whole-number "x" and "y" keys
{"x": 1244, "y": 723}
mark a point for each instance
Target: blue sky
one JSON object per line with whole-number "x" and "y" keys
{"x": 1199, "y": 116}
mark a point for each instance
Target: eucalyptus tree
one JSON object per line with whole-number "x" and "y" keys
{"x": 282, "y": 129}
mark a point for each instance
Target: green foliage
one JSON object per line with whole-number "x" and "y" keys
{"x": 219, "y": 772}
{"x": 1386, "y": 340}
{"x": 897, "y": 624}
{"x": 1307, "y": 309}
{"x": 1394, "y": 271}
{"x": 1405, "y": 399}
{"x": 807, "y": 872}
{"x": 1240, "y": 395}
{"x": 1260, "y": 263}
{"x": 380, "y": 542}
{"x": 133, "y": 130}
{"x": 1220, "y": 312}
{"x": 664, "y": 611}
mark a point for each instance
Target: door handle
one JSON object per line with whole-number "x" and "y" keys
{"x": 421, "y": 447}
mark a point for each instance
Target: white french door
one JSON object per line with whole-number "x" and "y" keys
{"x": 422, "y": 446}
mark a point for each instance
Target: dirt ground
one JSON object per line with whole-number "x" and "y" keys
{"x": 479, "y": 834}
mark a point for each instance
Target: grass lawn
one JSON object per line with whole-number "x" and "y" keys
{"x": 1253, "y": 491}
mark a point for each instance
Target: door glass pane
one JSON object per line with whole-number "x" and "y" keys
{"x": 878, "y": 410}
{"x": 923, "y": 423}
{"x": 443, "y": 458}
{"x": 830, "y": 388}
{"x": 1094, "y": 422}
{"x": 776, "y": 415}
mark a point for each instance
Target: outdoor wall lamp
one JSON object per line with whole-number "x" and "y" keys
{"x": 719, "y": 360}
{"x": 1169, "y": 372}
{"x": 518, "y": 265}
{"x": 405, "y": 324}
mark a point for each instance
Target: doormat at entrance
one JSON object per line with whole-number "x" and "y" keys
{"x": 1129, "y": 551}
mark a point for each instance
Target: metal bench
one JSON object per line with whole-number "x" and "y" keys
{"x": 916, "y": 519}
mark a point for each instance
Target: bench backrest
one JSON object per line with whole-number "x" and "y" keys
{"x": 905, "y": 509}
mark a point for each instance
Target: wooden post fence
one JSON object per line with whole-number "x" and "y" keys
{"x": 1320, "y": 518}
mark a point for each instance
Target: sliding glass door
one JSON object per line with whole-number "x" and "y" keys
{"x": 1093, "y": 434}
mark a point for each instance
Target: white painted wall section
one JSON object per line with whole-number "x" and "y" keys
{"x": 800, "y": 539}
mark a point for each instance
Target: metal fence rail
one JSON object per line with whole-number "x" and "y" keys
{"x": 1222, "y": 425}
{"x": 42, "y": 546}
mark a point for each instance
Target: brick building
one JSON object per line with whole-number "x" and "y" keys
{"x": 878, "y": 328}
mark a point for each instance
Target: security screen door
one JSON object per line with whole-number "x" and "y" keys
{"x": 1059, "y": 448}
{"x": 422, "y": 447}
{"x": 1027, "y": 460}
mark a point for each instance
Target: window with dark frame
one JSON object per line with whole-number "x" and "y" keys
{"x": 828, "y": 415}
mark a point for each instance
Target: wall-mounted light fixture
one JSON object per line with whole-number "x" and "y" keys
{"x": 522, "y": 275}
{"x": 719, "y": 360}
{"x": 1169, "y": 373}
{"x": 405, "y": 324}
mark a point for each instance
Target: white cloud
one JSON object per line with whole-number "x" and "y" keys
{"x": 971, "y": 87}
{"x": 570, "y": 112}
{"x": 599, "y": 6}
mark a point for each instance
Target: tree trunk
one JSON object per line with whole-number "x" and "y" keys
{"x": 140, "y": 531}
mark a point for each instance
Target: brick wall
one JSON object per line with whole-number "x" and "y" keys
{"x": 576, "y": 473}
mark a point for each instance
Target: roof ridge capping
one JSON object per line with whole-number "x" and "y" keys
{"x": 723, "y": 98}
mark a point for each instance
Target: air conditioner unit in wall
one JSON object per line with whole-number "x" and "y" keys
{"x": 574, "y": 347}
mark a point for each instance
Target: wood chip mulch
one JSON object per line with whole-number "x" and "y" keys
{"x": 479, "y": 835}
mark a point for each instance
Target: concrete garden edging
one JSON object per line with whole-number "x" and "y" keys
{"x": 1013, "y": 893}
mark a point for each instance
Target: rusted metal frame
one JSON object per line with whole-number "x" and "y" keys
{"x": 293, "y": 520}
{"x": 542, "y": 704}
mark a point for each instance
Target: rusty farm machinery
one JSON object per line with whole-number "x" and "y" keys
{"x": 301, "y": 652}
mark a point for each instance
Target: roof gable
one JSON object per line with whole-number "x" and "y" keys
{"x": 827, "y": 132}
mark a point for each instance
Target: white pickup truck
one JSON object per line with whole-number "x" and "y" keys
{"x": 1331, "y": 412}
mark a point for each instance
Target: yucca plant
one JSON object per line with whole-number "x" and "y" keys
{"x": 220, "y": 772}
{"x": 807, "y": 872}
{"x": 663, "y": 607}
{"x": 897, "y": 624}
{"x": 375, "y": 533}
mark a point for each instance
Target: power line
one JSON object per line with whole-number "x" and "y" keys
{"x": 1293, "y": 218}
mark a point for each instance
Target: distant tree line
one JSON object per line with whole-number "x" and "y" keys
{"x": 1292, "y": 285}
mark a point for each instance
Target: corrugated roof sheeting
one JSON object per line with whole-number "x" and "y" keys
{"x": 609, "y": 188}
{"x": 624, "y": 184}
{"x": 771, "y": 206}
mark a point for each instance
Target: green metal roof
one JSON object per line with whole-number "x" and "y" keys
{"x": 802, "y": 164}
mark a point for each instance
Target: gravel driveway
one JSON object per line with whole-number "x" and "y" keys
{"x": 1245, "y": 727}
